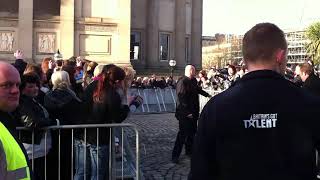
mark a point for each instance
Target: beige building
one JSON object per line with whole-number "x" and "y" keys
{"x": 162, "y": 30}
{"x": 99, "y": 30}
{"x": 95, "y": 29}
{"x": 221, "y": 49}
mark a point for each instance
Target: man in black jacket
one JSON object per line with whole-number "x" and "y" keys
{"x": 310, "y": 81}
{"x": 253, "y": 130}
{"x": 187, "y": 111}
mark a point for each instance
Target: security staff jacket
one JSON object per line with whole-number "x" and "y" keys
{"x": 13, "y": 161}
{"x": 262, "y": 128}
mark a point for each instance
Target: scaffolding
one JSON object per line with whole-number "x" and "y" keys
{"x": 297, "y": 52}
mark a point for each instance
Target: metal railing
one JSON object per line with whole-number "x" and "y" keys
{"x": 162, "y": 100}
{"x": 114, "y": 130}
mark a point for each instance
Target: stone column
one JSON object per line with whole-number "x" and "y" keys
{"x": 67, "y": 28}
{"x": 25, "y": 28}
{"x": 180, "y": 33}
{"x": 196, "y": 33}
{"x": 124, "y": 33}
{"x": 152, "y": 50}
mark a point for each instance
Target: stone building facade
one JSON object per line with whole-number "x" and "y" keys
{"x": 162, "y": 30}
{"x": 143, "y": 33}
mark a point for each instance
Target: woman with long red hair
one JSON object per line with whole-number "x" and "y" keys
{"x": 104, "y": 106}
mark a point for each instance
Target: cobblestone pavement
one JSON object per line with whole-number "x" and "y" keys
{"x": 157, "y": 137}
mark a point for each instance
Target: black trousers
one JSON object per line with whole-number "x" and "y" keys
{"x": 187, "y": 131}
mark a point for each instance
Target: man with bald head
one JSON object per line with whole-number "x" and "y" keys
{"x": 187, "y": 111}
{"x": 13, "y": 161}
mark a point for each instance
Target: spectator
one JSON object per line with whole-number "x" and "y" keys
{"x": 203, "y": 81}
{"x": 46, "y": 70}
{"x": 170, "y": 82}
{"x": 88, "y": 73}
{"x": 104, "y": 105}
{"x": 297, "y": 78}
{"x": 311, "y": 82}
{"x": 75, "y": 87}
{"x": 32, "y": 114}
{"x": 64, "y": 105}
{"x": 32, "y": 68}
{"x": 19, "y": 63}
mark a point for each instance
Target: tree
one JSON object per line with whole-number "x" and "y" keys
{"x": 313, "y": 47}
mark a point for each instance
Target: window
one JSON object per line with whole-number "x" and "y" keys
{"x": 187, "y": 50}
{"x": 164, "y": 46}
{"x": 135, "y": 45}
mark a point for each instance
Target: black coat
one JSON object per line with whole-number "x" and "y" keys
{"x": 188, "y": 97}
{"x": 264, "y": 127}
{"x": 110, "y": 110}
{"x": 63, "y": 105}
{"x": 32, "y": 115}
{"x": 312, "y": 84}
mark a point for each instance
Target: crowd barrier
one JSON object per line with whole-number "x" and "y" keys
{"x": 155, "y": 99}
{"x": 163, "y": 100}
{"x": 203, "y": 100}
{"x": 122, "y": 164}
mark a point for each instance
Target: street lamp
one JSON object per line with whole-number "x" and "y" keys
{"x": 172, "y": 64}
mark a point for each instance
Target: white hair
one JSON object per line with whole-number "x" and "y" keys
{"x": 98, "y": 69}
{"x": 60, "y": 79}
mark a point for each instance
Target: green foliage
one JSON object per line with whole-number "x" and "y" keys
{"x": 313, "y": 47}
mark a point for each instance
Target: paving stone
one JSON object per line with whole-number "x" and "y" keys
{"x": 157, "y": 133}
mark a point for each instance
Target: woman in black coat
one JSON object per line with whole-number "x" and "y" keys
{"x": 104, "y": 107}
{"x": 63, "y": 104}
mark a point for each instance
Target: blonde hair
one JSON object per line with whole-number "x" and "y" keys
{"x": 98, "y": 70}
{"x": 60, "y": 79}
{"x": 130, "y": 73}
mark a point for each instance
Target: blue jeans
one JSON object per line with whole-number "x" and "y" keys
{"x": 90, "y": 169}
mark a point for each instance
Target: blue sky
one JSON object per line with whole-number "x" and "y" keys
{"x": 238, "y": 16}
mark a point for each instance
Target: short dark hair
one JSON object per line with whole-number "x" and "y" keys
{"x": 31, "y": 78}
{"x": 261, "y": 41}
{"x": 234, "y": 70}
{"x": 306, "y": 68}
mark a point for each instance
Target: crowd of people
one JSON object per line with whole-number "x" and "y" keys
{"x": 65, "y": 92}
{"x": 261, "y": 126}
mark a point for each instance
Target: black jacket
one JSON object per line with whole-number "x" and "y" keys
{"x": 64, "y": 105}
{"x": 109, "y": 111}
{"x": 188, "y": 97}
{"x": 312, "y": 84}
{"x": 32, "y": 115}
{"x": 264, "y": 127}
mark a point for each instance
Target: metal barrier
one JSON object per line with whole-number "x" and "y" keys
{"x": 203, "y": 100}
{"x": 114, "y": 165}
{"x": 163, "y": 100}
{"x": 155, "y": 99}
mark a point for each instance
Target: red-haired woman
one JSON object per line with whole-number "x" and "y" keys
{"x": 104, "y": 105}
